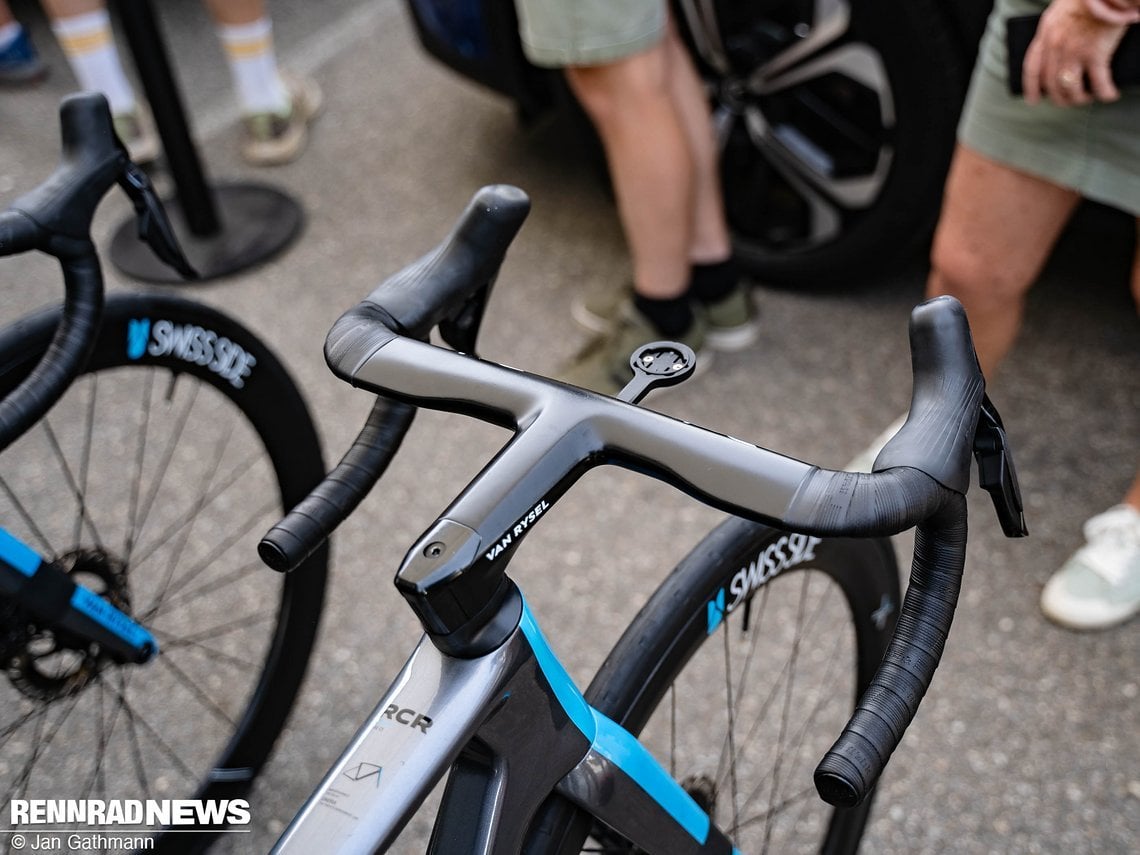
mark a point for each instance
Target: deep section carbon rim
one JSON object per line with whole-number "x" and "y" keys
{"x": 741, "y": 671}
{"x": 150, "y": 482}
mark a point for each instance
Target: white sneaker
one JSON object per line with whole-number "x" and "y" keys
{"x": 1099, "y": 586}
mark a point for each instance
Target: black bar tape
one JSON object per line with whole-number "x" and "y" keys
{"x": 851, "y": 768}
{"x": 938, "y": 436}
{"x": 920, "y": 479}
{"x": 434, "y": 287}
{"x": 55, "y": 218}
{"x": 311, "y": 522}
{"x": 65, "y": 357}
{"x": 18, "y": 233}
{"x": 64, "y": 204}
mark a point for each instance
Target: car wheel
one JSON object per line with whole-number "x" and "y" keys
{"x": 836, "y": 120}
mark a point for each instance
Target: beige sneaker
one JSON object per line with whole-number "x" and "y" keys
{"x": 732, "y": 322}
{"x": 603, "y": 364}
{"x": 136, "y": 130}
{"x": 272, "y": 139}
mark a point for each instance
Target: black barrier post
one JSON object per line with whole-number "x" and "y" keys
{"x": 224, "y": 228}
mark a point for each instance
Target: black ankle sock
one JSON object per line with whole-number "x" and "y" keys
{"x": 711, "y": 282}
{"x": 672, "y": 317}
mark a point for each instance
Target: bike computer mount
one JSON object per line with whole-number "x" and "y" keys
{"x": 655, "y": 366}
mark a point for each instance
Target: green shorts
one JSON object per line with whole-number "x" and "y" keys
{"x": 557, "y": 33}
{"x": 1094, "y": 149}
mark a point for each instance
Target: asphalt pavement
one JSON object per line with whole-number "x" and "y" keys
{"x": 1029, "y": 740}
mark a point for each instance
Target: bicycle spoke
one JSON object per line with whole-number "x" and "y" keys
{"x": 197, "y": 691}
{"x": 69, "y": 476}
{"x": 186, "y": 519}
{"x": 192, "y": 517}
{"x": 726, "y": 750}
{"x": 85, "y": 455}
{"x": 100, "y": 747}
{"x": 9, "y": 729}
{"x": 227, "y": 628}
{"x": 173, "y": 642}
{"x": 133, "y": 737}
{"x": 140, "y": 456}
{"x": 223, "y": 546}
{"x": 40, "y": 744}
{"x": 159, "y": 476}
{"x": 804, "y": 796}
{"x": 786, "y": 712}
{"x": 823, "y": 694}
{"x": 757, "y": 726}
{"x": 28, "y": 520}
{"x": 156, "y": 738}
{"x": 730, "y": 710}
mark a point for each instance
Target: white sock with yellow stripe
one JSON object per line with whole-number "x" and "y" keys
{"x": 253, "y": 64}
{"x": 89, "y": 45}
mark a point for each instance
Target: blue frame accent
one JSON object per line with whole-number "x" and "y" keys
{"x": 17, "y": 555}
{"x": 614, "y": 742}
{"x": 98, "y": 610}
{"x": 20, "y": 557}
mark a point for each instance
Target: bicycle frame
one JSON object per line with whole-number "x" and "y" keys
{"x": 502, "y": 707}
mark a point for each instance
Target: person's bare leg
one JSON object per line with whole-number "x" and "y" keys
{"x": 997, "y": 229}
{"x": 1132, "y": 497}
{"x": 631, "y": 104}
{"x": 236, "y": 12}
{"x": 710, "y": 235}
{"x": 83, "y": 30}
{"x": 246, "y": 33}
{"x": 6, "y": 16}
{"x": 69, "y": 8}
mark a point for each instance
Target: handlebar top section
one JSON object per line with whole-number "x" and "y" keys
{"x": 64, "y": 205}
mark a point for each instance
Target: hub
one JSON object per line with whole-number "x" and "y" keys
{"x": 45, "y": 664}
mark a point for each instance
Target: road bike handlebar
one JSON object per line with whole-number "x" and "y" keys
{"x": 55, "y": 218}
{"x": 463, "y": 264}
{"x": 453, "y": 576}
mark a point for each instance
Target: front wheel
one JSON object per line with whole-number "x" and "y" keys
{"x": 738, "y": 675}
{"x": 150, "y": 482}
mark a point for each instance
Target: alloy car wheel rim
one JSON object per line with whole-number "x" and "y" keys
{"x": 817, "y": 106}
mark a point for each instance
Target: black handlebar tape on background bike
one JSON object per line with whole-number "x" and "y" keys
{"x": 437, "y": 285}
{"x": 18, "y": 233}
{"x": 65, "y": 357}
{"x": 938, "y": 436}
{"x": 55, "y": 218}
{"x": 311, "y": 522}
{"x": 92, "y": 160}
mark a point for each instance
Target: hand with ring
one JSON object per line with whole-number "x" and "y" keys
{"x": 1070, "y": 77}
{"x": 1068, "y": 59}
